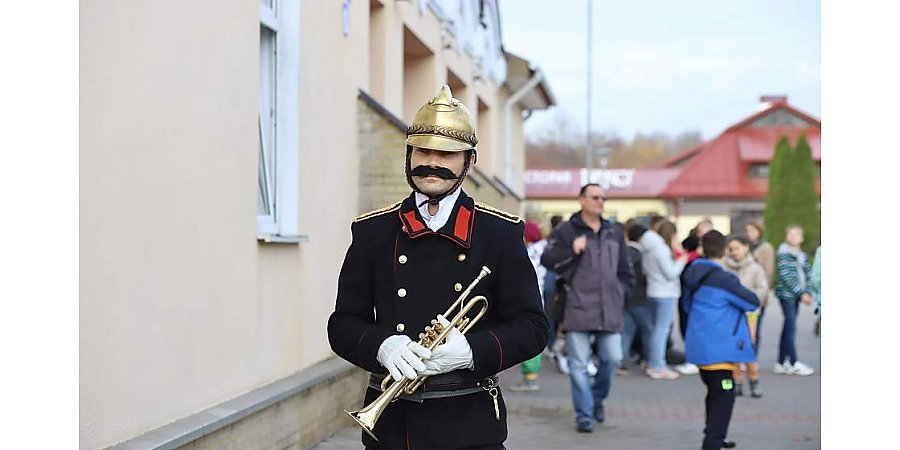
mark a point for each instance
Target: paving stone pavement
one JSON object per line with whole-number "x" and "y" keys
{"x": 647, "y": 414}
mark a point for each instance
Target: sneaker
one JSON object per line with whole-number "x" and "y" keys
{"x": 801, "y": 369}
{"x": 591, "y": 368}
{"x": 584, "y": 427}
{"x": 622, "y": 370}
{"x": 525, "y": 386}
{"x": 662, "y": 374}
{"x": 562, "y": 364}
{"x": 738, "y": 389}
{"x": 687, "y": 369}
{"x": 728, "y": 444}
{"x": 782, "y": 368}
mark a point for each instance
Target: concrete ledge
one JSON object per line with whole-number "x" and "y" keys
{"x": 203, "y": 423}
{"x": 277, "y": 239}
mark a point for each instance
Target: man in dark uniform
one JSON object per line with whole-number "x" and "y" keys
{"x": 407, "y": 264}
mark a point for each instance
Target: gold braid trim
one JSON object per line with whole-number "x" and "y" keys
{"x": 378, "y": 212}
{"x": 497, "y": 212}
{"x": 468, "y": 138}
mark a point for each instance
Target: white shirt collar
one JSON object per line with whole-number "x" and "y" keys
{"x": 445, "y": 207}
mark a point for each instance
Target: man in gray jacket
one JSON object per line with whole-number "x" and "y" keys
{"x": 590, "y": 254}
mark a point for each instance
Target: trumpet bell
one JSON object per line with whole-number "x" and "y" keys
{"x": 365, "y": 421}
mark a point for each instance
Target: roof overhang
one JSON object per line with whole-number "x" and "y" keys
{"x": 518, "y": 72}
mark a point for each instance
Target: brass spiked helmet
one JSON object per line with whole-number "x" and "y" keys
{"x": 443, "y": 123}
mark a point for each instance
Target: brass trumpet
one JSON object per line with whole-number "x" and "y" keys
{"x": 434, "y": 335}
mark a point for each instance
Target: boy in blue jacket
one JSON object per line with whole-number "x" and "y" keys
{"x": 718, "y": 337}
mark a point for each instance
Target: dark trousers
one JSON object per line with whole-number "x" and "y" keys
{"x": 787, "y": 348}
{"x": 719, "y": 405}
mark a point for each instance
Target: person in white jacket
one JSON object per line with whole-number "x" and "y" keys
{"x": 663, "y": 288}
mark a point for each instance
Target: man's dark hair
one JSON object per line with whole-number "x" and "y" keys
{"x": 555, "y": 221}
{"x": 584, "y": 188}
{"x": 713, "y": 244}
{"x": 692, "y": 242}
{"x": 635, "y": 232}
{"x": 742, "y": 239}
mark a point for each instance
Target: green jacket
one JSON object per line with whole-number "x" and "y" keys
{"x": 792, "y": 273}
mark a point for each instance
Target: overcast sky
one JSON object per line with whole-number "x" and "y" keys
{"x": 670, "y": 66}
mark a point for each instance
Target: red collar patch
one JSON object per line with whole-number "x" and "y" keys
{"x": 458, "y": 227}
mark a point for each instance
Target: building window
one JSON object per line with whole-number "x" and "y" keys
{"x": 759, "y": 170}
{"x": 278, "y": 118}
{"x": 265, "y": 198}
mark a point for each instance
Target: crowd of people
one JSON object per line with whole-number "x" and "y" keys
{"x": 613, "y": 292}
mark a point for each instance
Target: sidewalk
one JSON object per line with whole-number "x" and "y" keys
{"x": 642, "y": 413}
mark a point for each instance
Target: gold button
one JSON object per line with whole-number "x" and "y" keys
{"x": 400, "y": 327}
{"x": 402, "y": 259}
{"x": 457, "y": 287}
{"x": 403, "y": 228}
{"x": 401, "y": 292}
{"x": 461, "y": 257}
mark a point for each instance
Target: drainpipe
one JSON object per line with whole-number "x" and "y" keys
{"x": 513, "y": 99}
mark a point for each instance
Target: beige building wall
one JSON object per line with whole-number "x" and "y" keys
{"x": 518, "y": 142}
{"x": 169, "y": 317}
{"x": 182, "y": 307}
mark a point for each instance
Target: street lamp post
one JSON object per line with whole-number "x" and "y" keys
{"x": 588, "y": 147}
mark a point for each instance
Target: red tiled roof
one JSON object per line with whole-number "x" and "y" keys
{"x": 758, "y": 144}
{"x": 619, "y": 183}
{"x": 722, "y": 169}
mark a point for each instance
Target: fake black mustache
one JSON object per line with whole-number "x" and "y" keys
{"x": 440, "y": 172}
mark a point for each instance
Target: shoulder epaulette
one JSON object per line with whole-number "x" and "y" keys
{"x": 378, "y": 212}
{"x": 497, "y": 212}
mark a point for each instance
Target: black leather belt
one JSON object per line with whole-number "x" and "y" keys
{"x": 445, "y": 385}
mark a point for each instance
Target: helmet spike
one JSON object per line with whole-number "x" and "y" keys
{"x": 444, "y": 97}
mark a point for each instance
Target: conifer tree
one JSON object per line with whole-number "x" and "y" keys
{"x": 774, "y": 212}
{"x": 804, "y": 198}
{"x": 792, "y": 197}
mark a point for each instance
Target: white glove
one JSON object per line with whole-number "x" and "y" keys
{"x": 451, "y": 355}
{"x": 402, "y": 357}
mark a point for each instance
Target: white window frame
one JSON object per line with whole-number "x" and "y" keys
{"x": 281, "y": 182}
